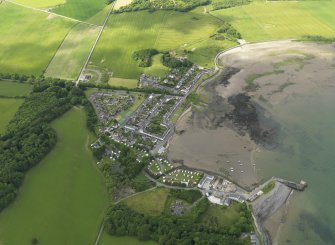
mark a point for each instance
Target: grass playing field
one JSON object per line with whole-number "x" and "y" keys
{"x": 128, "y": 83}
{"x": 73, "y": 52}
{"x": 8, "y": 108}
{"x": 130, "y": 32}
{"x": 29, "y": 39}
{"x": 62, "y": 199}
{"x": 279, "y": 20}
{"x": 81, "y": 9}
{"x": 150, "y": 203}
{"x": 9, "y": 88}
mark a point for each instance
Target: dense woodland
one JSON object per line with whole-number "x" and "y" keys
{"x": 169, "y": 229}
{"x": 29, "y": 136}
{"x": 144, "y": 57}
{"x": 172, "y": 62}
{"x": 224, "y": 4}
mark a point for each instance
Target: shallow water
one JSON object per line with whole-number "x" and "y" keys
{"x": 308, "y": 153}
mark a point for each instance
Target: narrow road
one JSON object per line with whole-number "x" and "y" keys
{"x": 95, "y": 43}
{"x": 48, "y": 12}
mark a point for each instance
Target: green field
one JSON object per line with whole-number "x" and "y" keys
{"x": 323, "y": 11}
{"x": 128, "y": 83}
{"x": 130, "y": 32}
{"x": 8, "y": 108}
{"x": 29, "y": 39}
{"x": 225, "y": 216}
{"x": 9, "y": 88}
{"x": 43, "y": 4}
{"x": 150, "y": 203}
{"x": 81, "y": 9}
{"x": 63, "y": 199}
{"x": 280, "y": 20}
{"x": 73, "y": 52}
{"x": 157, "y": 68}
{"x": 107, "y": 239}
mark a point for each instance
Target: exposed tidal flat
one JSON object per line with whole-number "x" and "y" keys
{"x": 270, "y": 113}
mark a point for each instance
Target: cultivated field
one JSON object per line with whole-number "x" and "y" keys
{"x": 81, "y": 9}
{"x": 29, "y": 39}
{"x": 324, "y": 11}
{"x": 280, "y": 20}
{"x": 73, "y": 52}
{"x": 130, "y": 32}
{"x": 62, "y": 199}
{"x": 8, "y": 108}
{"x": 42, "y": 4}
{"x": 9, "y": 88}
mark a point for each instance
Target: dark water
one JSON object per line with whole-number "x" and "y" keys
{"x": 308, "y": 153}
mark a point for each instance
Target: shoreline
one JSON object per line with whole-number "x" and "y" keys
{"x": 280, "y": 72}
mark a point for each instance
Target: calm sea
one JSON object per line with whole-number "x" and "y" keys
{"x": 308, "y": 153}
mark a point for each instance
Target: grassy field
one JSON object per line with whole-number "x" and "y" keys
{"x": 157, "y": 68}
{"x": 42, "y": 4}
{"x": 203, "y": 53}
{"x": 73, "y": 52}
{"x": 128, "y": 83}
{"x": 9, "y": 88}
{"x": 323, "y": 11}
{"x": 151, "y": 203}
{"x": 279, "y": 20}
{"x": 62, "y": 200}
{"x": 8, "y": 108}
{"x": 106, "y": 239}
{"x": 29, "y": 39}
{"x": 225, "y": 216}
{"x": 81, "y": 9}
{"x": 130, "y": 32}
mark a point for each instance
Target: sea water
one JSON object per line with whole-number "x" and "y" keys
{"x": 307, "y": 152}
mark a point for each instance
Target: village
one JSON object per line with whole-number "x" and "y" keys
{"x": 147, "y": 128}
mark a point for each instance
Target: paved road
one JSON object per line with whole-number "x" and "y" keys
{"x": 95, "y": 43}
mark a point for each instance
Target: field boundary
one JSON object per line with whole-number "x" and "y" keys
{"x": 48, "y": 12}
{"x": 95, "y": 43}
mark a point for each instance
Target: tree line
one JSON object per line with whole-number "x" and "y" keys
{"x": 29, "y": 136}
{"x": 177, "y": 5}
{"x": 168, "y": 229}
